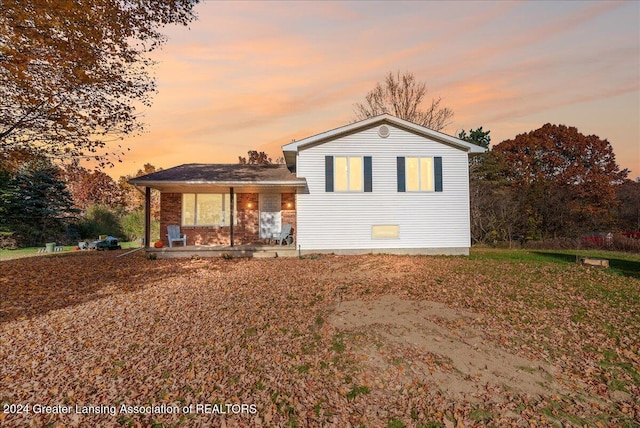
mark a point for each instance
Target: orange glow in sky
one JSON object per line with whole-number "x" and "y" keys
{"x": 255, "y": 75}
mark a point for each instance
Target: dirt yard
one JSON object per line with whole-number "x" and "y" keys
{"x": 376, "y": 341}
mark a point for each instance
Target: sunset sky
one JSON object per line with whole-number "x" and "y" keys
{"x": 255, "y": 75}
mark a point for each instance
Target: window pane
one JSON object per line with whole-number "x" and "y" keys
{"x": 413, "y": 178}
{"x": 426, "y": 174}
{"x": 209, "y": 209}
{"x": 188, "y": 209}
{"x": 226, "y": 214}
{"x": 235, "y": 210}
{"x": 340, "y": 174}
{"x": 355, "y": 174}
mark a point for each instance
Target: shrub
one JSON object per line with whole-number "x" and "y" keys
{"x": 99, "y": 220}
{"x": 8, "y": 240}
{"x": 132, "y": 225}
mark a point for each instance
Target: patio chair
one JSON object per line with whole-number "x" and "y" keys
{"x": 284, "y": 235}
{"x": 175, "y": 235}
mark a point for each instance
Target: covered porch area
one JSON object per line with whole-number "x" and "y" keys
{"x": 222, "y": 208}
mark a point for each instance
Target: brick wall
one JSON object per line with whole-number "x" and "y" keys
{"x": 246, "y": 231}
{"x": 170, "y": 213}
{"x": 288, "y": 208}
{"x": 248, "y": 228}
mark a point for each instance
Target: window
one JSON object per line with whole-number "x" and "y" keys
{"x": 348, "y": 174}
{"x": 420, "y": 174}
{"x": 207, "y": 209}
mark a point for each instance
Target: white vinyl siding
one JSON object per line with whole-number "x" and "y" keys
{"x": 344, "y": 220}
{"x": 206, "y": 209}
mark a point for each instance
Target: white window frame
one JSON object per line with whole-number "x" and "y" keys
{"x": 335, "y": 172}
{"x": 224, "y": 216}
{"x": 420, "y": 184}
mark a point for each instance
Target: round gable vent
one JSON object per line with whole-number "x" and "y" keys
{"x": 383, "y": 131}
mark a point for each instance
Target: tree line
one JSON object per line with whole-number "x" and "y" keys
{"x": 44, "y": 202}
{"x": 547, "y": 184}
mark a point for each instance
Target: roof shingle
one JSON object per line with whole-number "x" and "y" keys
{"x": 221, "y": 173}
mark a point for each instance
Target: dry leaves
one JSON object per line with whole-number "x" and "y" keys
{"x": 90, "y": 329}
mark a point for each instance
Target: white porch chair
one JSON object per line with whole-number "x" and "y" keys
{"x": 175, "y": 235}
{"x": 284, "y": 236}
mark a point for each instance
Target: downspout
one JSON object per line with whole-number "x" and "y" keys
{"x": 231, "y": 215}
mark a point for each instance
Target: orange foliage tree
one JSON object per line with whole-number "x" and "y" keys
{"x": 72, "y": 72}
{"x": 567, "y": 180}
{"x": 91, "y": 187}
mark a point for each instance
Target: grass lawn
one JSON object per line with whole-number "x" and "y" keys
{"x": 18, "y": 253}
{"x": 368, "y": 340}
{"x": 621, "y": 263}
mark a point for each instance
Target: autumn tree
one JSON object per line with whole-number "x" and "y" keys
{"x": 495, "y": 213}
{"x": 12, "y": 159}
{"x": 91, "y": 187}
{"x": 628, "y": 194}
{"x": 402, "y": 96}
{"x": 566, "y": 180}
{"x": 73, "y": 74}
{"x": 133, "y": 198}
{"x": 255, "y": 157}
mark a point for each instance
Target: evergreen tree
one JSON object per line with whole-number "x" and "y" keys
{"x": 476, "y": 136}
{"x": 36, "y": 203}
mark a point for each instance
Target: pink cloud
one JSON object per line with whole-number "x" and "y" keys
{"x": 253, "y": 75}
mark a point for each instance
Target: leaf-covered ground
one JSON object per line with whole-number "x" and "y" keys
{"x": 91, "y": 330}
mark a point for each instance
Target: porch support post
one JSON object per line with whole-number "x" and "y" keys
{"x": 231, "y": 214}
{"x": 147, "y": 217}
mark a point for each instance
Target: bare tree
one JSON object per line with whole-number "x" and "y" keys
{"x": 401, "y": 96}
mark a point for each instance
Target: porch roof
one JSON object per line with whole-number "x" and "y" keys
{"x": 227, "y": 175}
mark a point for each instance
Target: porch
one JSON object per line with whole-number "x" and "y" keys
{"x": 251, "y": 250}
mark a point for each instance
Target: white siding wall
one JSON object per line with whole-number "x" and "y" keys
{"x": 334, "y": 220}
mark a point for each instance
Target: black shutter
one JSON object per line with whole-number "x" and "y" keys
{"x": 401, "y": 179}
{"x": 328, "y": 173}
{"x": 437, "y": 166}
{"x": 368, "y": 178}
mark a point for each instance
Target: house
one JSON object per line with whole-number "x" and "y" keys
{"x": 379, "y": 185}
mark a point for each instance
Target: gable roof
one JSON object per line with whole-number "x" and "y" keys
{"x": 221, "y": 174}
{"x": 291, "y": 149}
